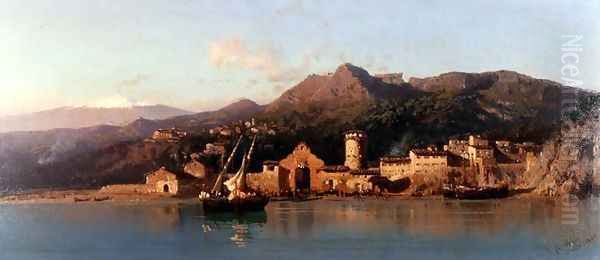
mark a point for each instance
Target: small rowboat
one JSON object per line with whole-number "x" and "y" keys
{"x": 76, "y": 199}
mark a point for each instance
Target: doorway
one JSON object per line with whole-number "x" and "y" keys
{"x": 302, "y": 179}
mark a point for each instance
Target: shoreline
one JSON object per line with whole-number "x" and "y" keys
{"x": 85, "y": 196}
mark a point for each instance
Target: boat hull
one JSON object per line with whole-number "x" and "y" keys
{"x": 257, "y": 203}
{"x": 482, "y": 193}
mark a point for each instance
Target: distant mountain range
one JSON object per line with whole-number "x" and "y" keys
{"x": 395, "y": 113}
{"x": 78, "y": 117}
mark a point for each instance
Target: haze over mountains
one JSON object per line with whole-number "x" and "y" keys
{"x": 395, "y": 113}
{"x": 338, "y": 96}
{"x": 78, "y": 117}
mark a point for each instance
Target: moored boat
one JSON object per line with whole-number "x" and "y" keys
{"x": 253, "y": 203}
{"x": 475, "y": 193}
{"x": 239, "y": 198}
{"x": 78, "y": 199}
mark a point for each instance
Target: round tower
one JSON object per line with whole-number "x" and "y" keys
{"x": 356, "y": 145}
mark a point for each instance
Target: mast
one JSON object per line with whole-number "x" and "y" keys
{"x": 239, "y": 180}
{"x": 218, "y": 184}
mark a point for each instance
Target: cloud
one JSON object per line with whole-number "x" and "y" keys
{"x": 116, "y": 100}
{"x": 130, "y": 89}
{"x": 278, "y": 89}
{"x": 233, "y": 53}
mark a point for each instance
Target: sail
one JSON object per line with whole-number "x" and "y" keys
{"x": 219, "y": 183}
{"x": 238, "y": 182}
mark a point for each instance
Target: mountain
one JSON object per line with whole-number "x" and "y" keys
{"x": 506, "y": 94}
{"x": 349, "y": 84}
{"x": 239, "y": 110}
{"x": 78, "y": 117}
{"x": 100, "y": 154}
{"x": 396, "y": 114}
{"x": 340, "y": 95}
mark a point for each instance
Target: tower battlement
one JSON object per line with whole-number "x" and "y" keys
{"x": 356, "y": 145}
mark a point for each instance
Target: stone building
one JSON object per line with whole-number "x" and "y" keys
{"x": 480, "y": 152}
{"x": 303, "y": 166}
{"x": 476, "y": 150}
{"x": 214, "y": 149}
{"x": 159, "y": 181}
{"x": 169, "y": 135}
{"x": 356, "y": 145}
{"x": 428, "y": 161}
{"x": 458, "y": 148}
{"x": 420, "y": 161}
{"x": 198, "y": 167}
{"x": 303, "y": 171}
{"x": 162, "y": 181}
{"x": 297, "y": 171}
{"x": 395, "y": 167}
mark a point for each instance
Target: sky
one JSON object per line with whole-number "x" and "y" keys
{"x": 201, "y": 55}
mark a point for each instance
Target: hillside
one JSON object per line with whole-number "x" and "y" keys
{"x": 338, "y": 96}
{"x": 79, "y": 117}
{"x": 52, "y": 157}
{"x": 396, "y": 114}
{"x": 239, "y": 110}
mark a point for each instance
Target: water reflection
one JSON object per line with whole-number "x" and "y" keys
{"x": 239, "y": 225}
{"x": 241, "y": 235}
{"x": 320, "y": 229}
{"x": 436, "y": 219}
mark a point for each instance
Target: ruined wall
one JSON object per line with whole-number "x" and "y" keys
{"x": 350, "y": 183}
{"x": 271, "y": 182}
{"x": 324, "y": 181}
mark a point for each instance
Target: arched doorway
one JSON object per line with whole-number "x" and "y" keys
{"x": 329, "y": 186}
{"x": 166, "y": 188}
{"x": 302, "y": 179}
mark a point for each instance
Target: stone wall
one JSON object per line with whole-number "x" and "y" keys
{"x": 128, "y": 188}
{"x": 271, "y": 182}
{"x": 326, "y": 181}
{"x": 395, "y": 170}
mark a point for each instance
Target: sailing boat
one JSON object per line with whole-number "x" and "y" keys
{"x": 239, "y": 198}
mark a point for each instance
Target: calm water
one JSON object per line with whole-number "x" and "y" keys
{"x": 424, "y": 229}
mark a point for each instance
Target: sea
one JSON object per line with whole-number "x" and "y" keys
{"x": 319, "y": 229}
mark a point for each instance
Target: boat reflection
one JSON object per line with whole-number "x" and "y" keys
{"x": 240, "y": 225}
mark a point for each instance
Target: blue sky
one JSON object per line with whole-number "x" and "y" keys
{"x": 200, "y": 55}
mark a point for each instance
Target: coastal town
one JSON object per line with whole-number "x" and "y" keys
{"x": 474, "y": 161}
